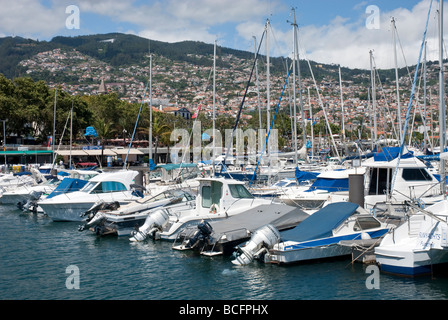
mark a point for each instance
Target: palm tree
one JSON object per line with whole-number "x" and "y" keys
{"x": 104, "y": 130}
{"x": 160, "y": 132}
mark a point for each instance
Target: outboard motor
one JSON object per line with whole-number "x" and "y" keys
{"x": 154, "y": 222}
{"x": 263, "y": 238}
{"x": 94, "y": 218}
{"x": 31, "y": 203}
{"x": 93, "y": 209}
{"x": 201, "y": 235}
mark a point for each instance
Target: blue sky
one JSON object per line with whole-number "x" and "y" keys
{"x": 330, "y": 31}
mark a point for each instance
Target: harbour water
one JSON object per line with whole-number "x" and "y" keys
{"x": 38, "y": 256}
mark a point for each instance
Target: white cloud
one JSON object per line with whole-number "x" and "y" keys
{"x": 29, "y": 18}
{"x": 348, "y": 43}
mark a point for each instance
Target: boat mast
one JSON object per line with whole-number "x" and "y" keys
{"x": 268, "y": 93}
{"x": 296, "y": 54}
{"x": 150, "y": 103}
{"x": 372, "y": 72}
{"x": 425, "y": 138}
{"x": 214, "y": 105}
{"x": 294, "y": 136}
{"x": 312, "y": 124}
{"x": 71, "y": 134}
{"x": 442, "y": 100}
{"x": 342, "y": 112}
{"x": 257, "y": 80}
{"x": 394, "y": 28}
{"x": 54, "y": 125}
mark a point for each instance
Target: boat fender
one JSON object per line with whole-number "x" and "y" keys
{"x": 365, "y": 236}
{"x": 214, "y": 208}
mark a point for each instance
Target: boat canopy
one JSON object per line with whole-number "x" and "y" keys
{"x": 390, "y": 153}
{"x": 305, "y": 175}
{"x": 67, "y": 185}
{"x": 321, "y": 223}
{"x": 330, "y": 185}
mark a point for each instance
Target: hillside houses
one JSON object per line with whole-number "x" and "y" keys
{"x": 179, "y": 87}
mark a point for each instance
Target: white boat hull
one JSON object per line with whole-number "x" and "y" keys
{"x": 418, "y": 246}
{"x": 71, "y": 211}
{"x": 291, "y": 251}
{"x": 410, "y": 263}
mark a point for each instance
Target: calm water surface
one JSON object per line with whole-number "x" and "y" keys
{"x": 35, "y": 253}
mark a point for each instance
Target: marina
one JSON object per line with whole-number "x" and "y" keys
{"x": 143, "y": 202}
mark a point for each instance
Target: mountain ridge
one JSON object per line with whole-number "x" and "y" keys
{"x": 127, "y": 49}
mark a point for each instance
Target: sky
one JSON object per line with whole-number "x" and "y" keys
{"x": 341, "y": 32}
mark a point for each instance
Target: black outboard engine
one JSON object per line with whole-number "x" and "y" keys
{"x": 31, "y": 203}
{"x": 93, "y": 218}
{"x": 202, "y": 234}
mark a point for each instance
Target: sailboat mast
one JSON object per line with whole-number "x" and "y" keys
{"x": 372, "y": 72}
{"x": 268, "y": 93}
{"x": 150, "y": 106}
{"x": 296, "y": 50}
{"x": 312, "y": 124}
{"x": 214, "y": 105}
{"x": 394, "y": 28}
{"x": 294, "y": 136}
{"x": 54, "y": 125}
{"x": 425, "y": 137}
{"x": 442, "y": 100}
{"x": 257, "y": 80}
{"x": 342, "y": 110}
{"x": 71, "y": 135}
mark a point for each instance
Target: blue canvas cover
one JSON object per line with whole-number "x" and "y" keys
{"x": 68, "y": 185}
{"x": 305, "y": 175}
{"x": 390, "y": 153}
{"x": 321, "y": 223}
{"x": 330, "y": 185}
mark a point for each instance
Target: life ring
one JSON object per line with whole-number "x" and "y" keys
{"x": 214, "y": 208}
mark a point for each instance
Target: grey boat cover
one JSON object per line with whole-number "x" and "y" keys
{"x": 321, "y": 223}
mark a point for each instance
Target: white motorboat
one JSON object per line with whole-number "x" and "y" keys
{"x": 11, "y": 181}
{"x": 218, "y": 200}
{"x": 317, "y": 237}
{"x": 113, "y": 219}
{"x": 413, "y": 181}
{"x": 107, "y": 187}
{"x": 25, "y": 192}
{"x": 326, "y": 184}
{"x": 275, "y": 190}
{"x": 69, "y": 181}
{"x": 419, "y": 245}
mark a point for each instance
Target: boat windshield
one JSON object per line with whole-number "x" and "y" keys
{"x": 211, "y": 194}
{"x": 89, "y": 186}
{"x": 366, "y": 223}
{"x": 239, "y": 191}
{"x": 104, "y": 187}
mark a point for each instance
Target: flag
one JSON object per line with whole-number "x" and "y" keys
{"x": 197, "y": 112}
